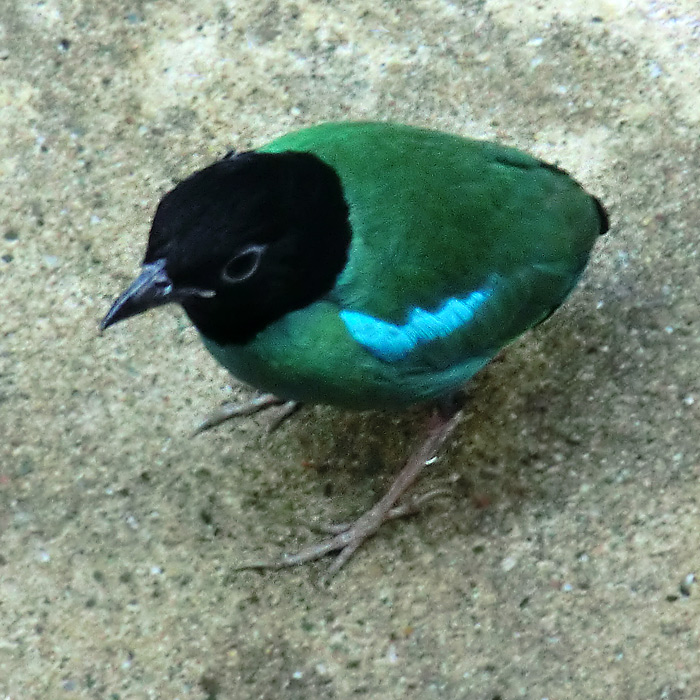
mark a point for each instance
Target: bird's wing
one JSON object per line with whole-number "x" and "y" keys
{"x": 466, "y": 327}
{"x": 458, "y": 246}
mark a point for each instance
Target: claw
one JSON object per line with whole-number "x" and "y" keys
{"x": 289, "y": 408}
{"x": 259, "y": 403}
{"x": 403, "y": 510}
{"x": 346, "y": 539}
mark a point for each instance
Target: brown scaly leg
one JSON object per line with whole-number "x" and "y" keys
{"x": 413, "y": 506}
{"x": 259, "y": 403}
{"x": 350, "y": 537}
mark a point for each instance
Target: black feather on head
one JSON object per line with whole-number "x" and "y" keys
{"x": 267, "y": 233}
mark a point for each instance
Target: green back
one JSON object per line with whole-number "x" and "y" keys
{"x": 434, "y": 217}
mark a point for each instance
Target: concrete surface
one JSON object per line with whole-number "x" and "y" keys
{"x": 563, "y": 565}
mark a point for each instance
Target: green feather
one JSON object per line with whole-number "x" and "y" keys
{"x": 434, "y": 217}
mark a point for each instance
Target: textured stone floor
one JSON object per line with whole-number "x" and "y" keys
{"x": 563, "y": 565}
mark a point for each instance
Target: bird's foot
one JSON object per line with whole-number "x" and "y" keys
{"x": 346, "y": 538}
{"x": 412, "y": 506}
{"x": 259, "y": 403}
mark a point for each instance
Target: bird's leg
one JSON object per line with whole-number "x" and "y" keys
{"x": 287, "y": 410}
{"x": 413, "y": 506}
{"x": 259, "y": 403}
{"x": 348, "y": 540}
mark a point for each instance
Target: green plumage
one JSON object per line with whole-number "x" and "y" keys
{"x": 434, "y": 217}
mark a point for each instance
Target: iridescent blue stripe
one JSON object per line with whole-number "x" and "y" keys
{"x": 390, "y": 342}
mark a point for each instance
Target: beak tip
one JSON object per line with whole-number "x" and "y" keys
{"x": 150, "y": 289}
{"x": 112, "y": 316}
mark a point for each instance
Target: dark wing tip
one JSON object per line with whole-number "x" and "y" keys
{"x": 603, "y": 215}
{"x": 602, "y": 212}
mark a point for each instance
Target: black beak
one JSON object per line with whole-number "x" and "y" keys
{"x": 151, "y": 288}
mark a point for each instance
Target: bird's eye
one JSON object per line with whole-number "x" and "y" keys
{"x": 243, "y": 265}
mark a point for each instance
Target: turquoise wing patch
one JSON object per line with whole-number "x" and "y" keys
{"x": 391, "y": 342}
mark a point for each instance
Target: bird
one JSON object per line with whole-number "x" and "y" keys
{"x": 365, "y": 265}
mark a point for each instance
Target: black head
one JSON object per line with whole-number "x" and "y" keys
{"x": 242, "y": 243}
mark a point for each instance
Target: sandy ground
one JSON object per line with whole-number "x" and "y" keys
{"x": 562, "y": 567}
